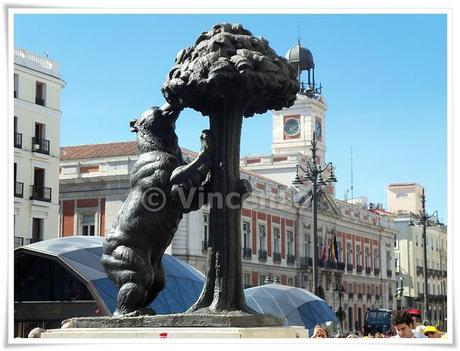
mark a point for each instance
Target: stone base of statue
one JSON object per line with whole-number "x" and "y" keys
{"x": 186, "y": 325}
{"x": 221, "y": 320}
{"x": 175, "y": 333}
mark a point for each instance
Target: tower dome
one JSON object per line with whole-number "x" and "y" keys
{"x": 298, "y": 55}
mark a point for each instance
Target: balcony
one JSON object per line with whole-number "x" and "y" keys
{"x": 18, "y": 189}
{"x": 350, "y": 295}
{"x": 306, "y": 262}
{"x": 40, "y": 101}
{"x": 276, "y": 257}
{"x": 376, "y": 271}
{"x": 247, "y": 252}
{"x": 18, "y": 140}
{"x": 369, "y": 297}
{"x": 262, "y": 255}
{"x": 368, "y": 270}
{"x": 389, "y": 273}
{"x": 290, "y": 259}
{"x": 360, "y": 296}
{"x": 41, "y": 145}
{"x": 444, "y": 274}
{"x": 341, "y": 266}
{"x": 204, "y": 246}
{"x": 377, "y": 297}
{"x": 359, "y": 269}
{"x": 419, "y": 270}
{"x": 41, "y": 193}
{"x": 349, "y": 267}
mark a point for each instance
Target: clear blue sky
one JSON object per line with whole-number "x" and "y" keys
{"x": 384, "y": 79}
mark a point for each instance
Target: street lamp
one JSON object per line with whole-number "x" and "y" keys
{"x": 426, "y": 221}
{"x": 313, "y": 173}
{"x": 340, "y": 292}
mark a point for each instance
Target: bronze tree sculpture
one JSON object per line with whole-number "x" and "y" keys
{"x": 227, "y": 75}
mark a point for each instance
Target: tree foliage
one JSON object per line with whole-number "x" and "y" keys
{"x": 229, "y": 64}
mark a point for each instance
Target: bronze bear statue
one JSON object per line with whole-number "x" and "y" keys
{"x": 149, "y": 217}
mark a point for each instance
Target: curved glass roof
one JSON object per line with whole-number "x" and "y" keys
{"x": 82, "y": 254}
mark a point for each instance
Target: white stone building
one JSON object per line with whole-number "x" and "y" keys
{"x": 405, "y": 198}
{"x": 37, "y": 115}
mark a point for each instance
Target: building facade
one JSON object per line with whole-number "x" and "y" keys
{"x": 405, "y": 198}
{"x": 37, "y": 115}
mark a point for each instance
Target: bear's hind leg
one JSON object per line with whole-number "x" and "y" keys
{"x": 159, "y": 282}
{"x": 134, "y": 274}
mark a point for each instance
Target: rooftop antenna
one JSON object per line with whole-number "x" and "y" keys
{"x": 351, "y": 161}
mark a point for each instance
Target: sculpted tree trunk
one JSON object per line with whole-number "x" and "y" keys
{"x": 227, "y": 75}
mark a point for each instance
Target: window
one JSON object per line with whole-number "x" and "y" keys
{"x": 262, "y": 237}
{"x": 367, "y": 257}
{"x": 262, "y": 279}
{"x": 205, "y": 230}
{"x": 276, "y": 240}
{"x": 320, "y": 247}
{"x": 376, "y": 259}
{"x": 418, "y": 288}
{"x": 290, "y": 281}
{"x": 246, "y": 280}
{"x": 307, "y": 244}
{"x": 349, "y": 253}
{"x": 37, "y": 229}
{"x": 246, "y": 235}
{"x": 350, "y": 288}
{"x": 16, "y": 85}
{"x": 290, "y": 243}
{"x": 40, "y": 93}
{"x": 358, "y": 255}
{"x": 87, "y": 225}
{"x": 388, "y": 259}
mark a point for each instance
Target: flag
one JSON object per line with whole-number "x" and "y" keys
{"x": 336, "y": 249}
{"x": 331, "y": 250}
{"x": 324, "y": 252}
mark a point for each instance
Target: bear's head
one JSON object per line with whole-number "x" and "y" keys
{"x": 155, "y": 129}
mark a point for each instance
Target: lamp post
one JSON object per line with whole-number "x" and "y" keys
{"x": 313, "y": 173}
{"x": 426, "y": 221}
{"x": 340, "y": 292}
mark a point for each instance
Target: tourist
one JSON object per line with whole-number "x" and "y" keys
{"x": 402, "y": 322}
{"x": 432, "y": 332}
{"x": 320, "y": 332}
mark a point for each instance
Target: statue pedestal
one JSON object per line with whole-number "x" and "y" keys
{"x": 176, "y": 333}
{"x": 236, "y": 324}
{"x": 233, "y": 319}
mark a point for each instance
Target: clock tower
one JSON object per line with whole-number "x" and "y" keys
{"x": 293, "y": 127}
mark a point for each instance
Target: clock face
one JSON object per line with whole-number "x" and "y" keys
{"x": 291, "y": 127}
{"x": 318, "y": 130}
